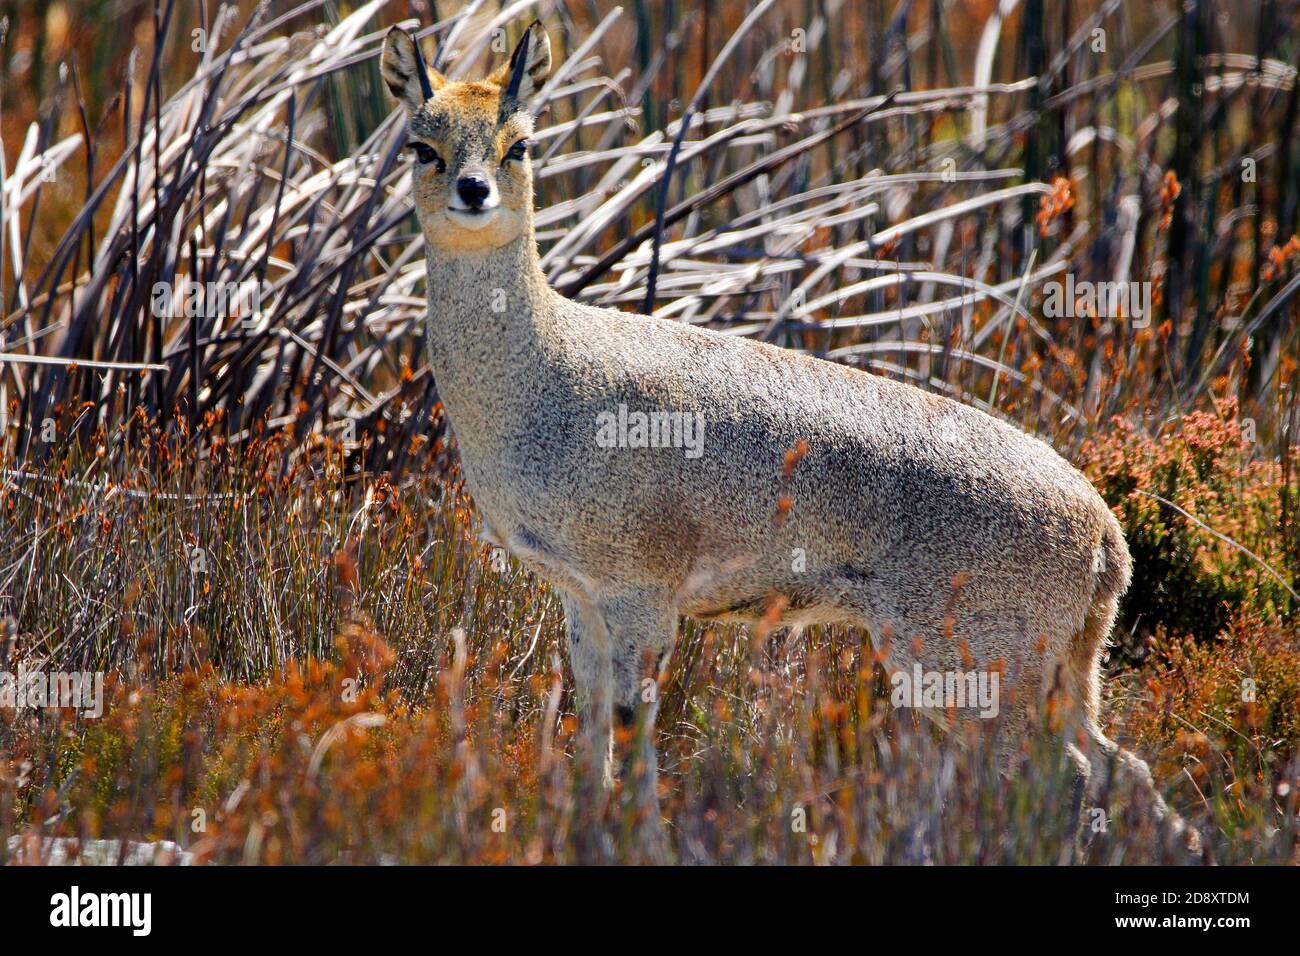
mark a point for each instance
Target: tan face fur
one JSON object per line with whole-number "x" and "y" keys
{"x": 471, "y": 180}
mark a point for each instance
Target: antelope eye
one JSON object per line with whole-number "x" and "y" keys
{"x": 426, "y": 154}
{"x": 518, "y": 151}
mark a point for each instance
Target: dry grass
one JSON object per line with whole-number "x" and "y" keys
{"x": 888, "y": 186}
{"x": 342, "y": 672}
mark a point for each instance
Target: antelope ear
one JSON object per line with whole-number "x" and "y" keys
{"x": 404, "y": 72}
{"x": 529, "y": 66}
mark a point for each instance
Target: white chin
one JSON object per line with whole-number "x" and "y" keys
{"x": 472, "y": 220}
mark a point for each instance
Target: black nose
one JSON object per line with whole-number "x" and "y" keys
{"x": 473, "y": 189}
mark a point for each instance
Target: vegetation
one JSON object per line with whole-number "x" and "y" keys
{"x": 251, "y": 519}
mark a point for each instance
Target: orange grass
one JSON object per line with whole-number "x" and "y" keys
{"x": 351, "y": 679}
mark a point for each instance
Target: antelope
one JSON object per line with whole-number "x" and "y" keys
{"x": 944, "y": 532}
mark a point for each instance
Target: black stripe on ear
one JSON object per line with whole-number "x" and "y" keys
{"x": 426, "y": 88}
{"x": 521, "y": 60}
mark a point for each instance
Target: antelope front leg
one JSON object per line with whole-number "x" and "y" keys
{"x": 589, "y": 656}
{"x": 642, "y": 627}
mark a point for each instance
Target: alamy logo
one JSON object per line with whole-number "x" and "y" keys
{"x": 191, "y": 299}
{"x": 655, "y": 429}
{"x": 1108, "y": 300}
{"x": 976, "y": 690}
{"x": 81, "y": 690}
{"x": 75, "y": 908}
